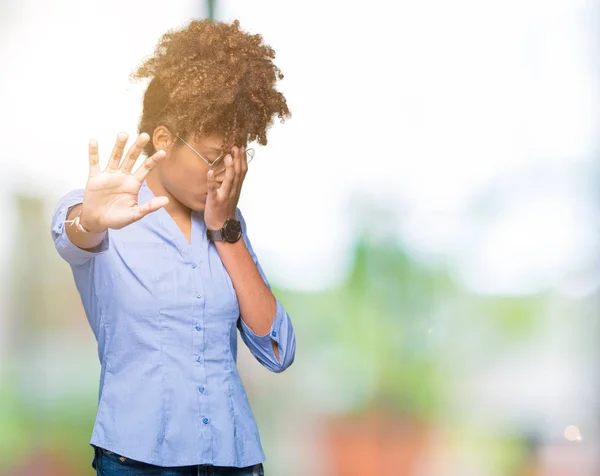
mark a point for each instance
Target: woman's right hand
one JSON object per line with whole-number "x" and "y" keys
{"x": 110, "y": 199}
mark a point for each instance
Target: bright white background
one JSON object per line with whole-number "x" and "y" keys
{"x": 423, "y": 107}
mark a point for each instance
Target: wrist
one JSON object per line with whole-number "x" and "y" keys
{"x": 92, "y": 226}
{"x": 230, "y": 231}
{"x": 218, "y": 224}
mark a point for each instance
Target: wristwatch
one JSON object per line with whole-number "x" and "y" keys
{"x": 230, "y": 232}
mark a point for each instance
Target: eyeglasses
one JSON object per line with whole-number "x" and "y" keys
{"x": 249, "y": 155}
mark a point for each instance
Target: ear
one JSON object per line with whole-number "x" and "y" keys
{"x": 163, "y": 139}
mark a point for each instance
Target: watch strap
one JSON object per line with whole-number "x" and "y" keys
{"x": 214, "y": 235}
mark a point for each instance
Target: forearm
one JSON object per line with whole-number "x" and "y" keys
{"x": 257, "y": 302}
{"x": 85, "y": 241}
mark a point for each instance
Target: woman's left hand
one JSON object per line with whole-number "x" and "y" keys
{"x": 222, "y": 200}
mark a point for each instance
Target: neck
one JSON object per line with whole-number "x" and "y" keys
{"x": 175, "y": 208}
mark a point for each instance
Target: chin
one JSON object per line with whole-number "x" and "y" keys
{"x": 198, "y": 205}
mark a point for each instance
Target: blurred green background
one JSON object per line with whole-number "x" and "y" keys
{"x": 436, "y": 246}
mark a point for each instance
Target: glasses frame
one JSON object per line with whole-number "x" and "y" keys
{"x": 249, "y": 152}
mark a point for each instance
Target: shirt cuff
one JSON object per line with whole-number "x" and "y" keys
{"x": 67, "y": 250}
{"x": 274, "y": 332}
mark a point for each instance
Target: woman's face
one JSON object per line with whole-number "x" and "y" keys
{"x": 183, "y": 172}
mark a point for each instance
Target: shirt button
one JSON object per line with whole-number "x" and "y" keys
{"x": 205, "y": 421}
{"x": 274, "y": 334}
{"x": 198, "y": 328}
{"x": 201, "y": 389}
{"x": 198, "y": 295}
{"x": 198, "y": 359}
{"x": 193, "y": 265}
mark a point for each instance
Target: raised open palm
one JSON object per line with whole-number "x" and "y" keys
{"x": 110, "y": 199}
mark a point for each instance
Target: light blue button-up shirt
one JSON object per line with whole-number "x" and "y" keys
{"x": 165, "y": 315}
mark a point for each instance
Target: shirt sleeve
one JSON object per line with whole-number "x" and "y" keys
{"x": 71, "y": 253}
{"x": 282, "y": 331}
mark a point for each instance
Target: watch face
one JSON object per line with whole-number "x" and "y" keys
{"x": 232, "y": 230}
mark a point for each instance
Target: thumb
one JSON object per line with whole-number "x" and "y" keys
{"x": 150, "y": 206}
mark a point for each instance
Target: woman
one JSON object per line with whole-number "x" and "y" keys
{"x": 164, "y": 266}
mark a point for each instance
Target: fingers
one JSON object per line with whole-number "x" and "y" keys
{"x": 148, "y": 165}
{"x": 134, "y": 152}
{"x": 117, "y": 152}
{"x": 227, "y": 184}
{"x": 212, "y": 184}
{"x": 243, "y": 170}
{"x": 148, "y": 207}
{"x": 237, "y": 160}
{"x": 218, "y": 167}
{"x": 94, "y": 158}
{"x": 220, "y": 176}
{"x": 237, "y": 164}
{"x": 244, "y": 162}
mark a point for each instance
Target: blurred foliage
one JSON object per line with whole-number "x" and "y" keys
{"x": 386, "y": 331}
{"x": 29, "y": 427}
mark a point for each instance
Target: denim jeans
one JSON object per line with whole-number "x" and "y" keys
{"x": 107, "y": 463}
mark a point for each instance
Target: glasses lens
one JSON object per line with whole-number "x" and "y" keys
{"x": 219, "y": 164}
{"x": 249, "y": 155}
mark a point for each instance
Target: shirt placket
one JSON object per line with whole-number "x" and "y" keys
{"x": 199, "y": 341}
